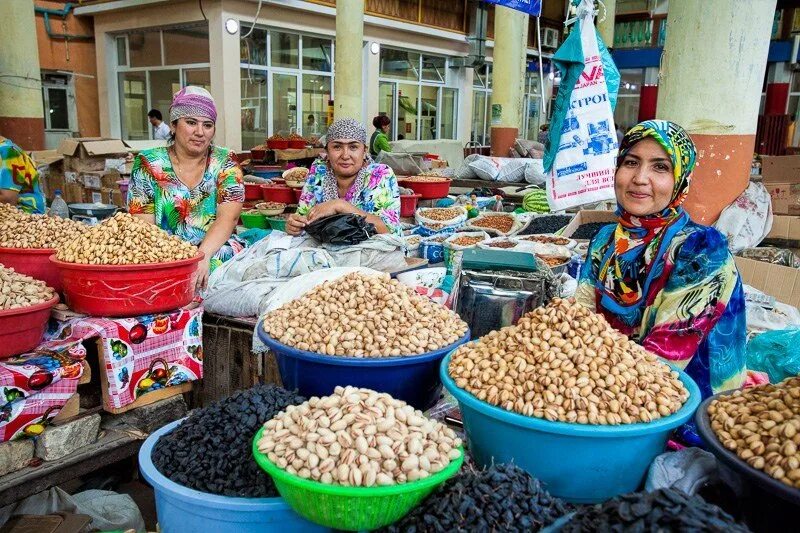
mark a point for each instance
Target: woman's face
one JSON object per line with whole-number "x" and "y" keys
{"x": 346, "y": 157}
{"x": 644, "y": 181}
{"x": 194, "y": 134}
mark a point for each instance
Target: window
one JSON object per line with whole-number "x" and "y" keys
{"x": 414, "y": 94}
{"x": 481, "y": 101}
{"x": 56, "y": 111}
{"x": 286, "y": 79}
{"x": 626, "y": 113}
{"x": 161, "y": 62}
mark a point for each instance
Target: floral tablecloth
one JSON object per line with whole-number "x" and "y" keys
{"x": 143, "y": 354}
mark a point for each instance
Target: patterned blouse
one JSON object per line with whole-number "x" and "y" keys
{"x": 18, "y": 173}
{"x": 188, "y": 213}
{"x": 694, "y": 314}
{"x": 375, "y": 191}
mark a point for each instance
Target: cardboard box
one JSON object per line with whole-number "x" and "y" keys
{"x": 92, "y": 180}
{"x": 92, "y": 196}
{"x": 779, "y": 281}
{"x": 109, "y": 179}
{"x": 781, "y": 177}
{"x": 90, "y": 153}
{"x": 438, "y": 163}
{"x": 588, "y": 217}
{"x": 50, "y": 165}
{"x": 117, "y": 199}
{"x": 73, "y": 193}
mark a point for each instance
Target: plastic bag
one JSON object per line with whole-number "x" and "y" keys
{"x": 403, "y": 164}
{"x": 534, "y": 172}
{"x": 531, "y": 149}
{"x": 775, "y": 352}
{"x": 748, "y": 220}
{"x": 465, "y": 171}
{"x": 582, "y": 151}
{"x": 503, "y": 169}
{"x": 346, "y": 228}
{"x": 776, "y": 256}
{"x": 517, "y": 225}
{"x": 438, "y": 225}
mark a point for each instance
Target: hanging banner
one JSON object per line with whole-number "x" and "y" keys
{"x": 531, "y": 7}
{"x": 582, "y": 146}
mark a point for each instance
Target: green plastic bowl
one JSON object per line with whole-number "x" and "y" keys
{"x": 351, "y": 508}
{"x": 277, "y": 223}
{"x": 254, "y": 220}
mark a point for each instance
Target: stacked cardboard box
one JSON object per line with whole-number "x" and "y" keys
{"x": 50, "y": 165}
{"x": 781, "y": 177}
{"x": 92, "y": 167}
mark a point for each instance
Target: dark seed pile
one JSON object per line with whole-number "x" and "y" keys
{"x": 500, "y": 498}
{"x": 548, "y": 224}
{"x": 661, "y": 510}
{"x": 588, "y": 231}
{"x": 211, "y": 451}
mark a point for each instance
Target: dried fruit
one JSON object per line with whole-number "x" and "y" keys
{"x": 501, "y": 223}
{"x": 466, "y": 241}
{"x": 565, "y": 363}
{"x": 442, "y": 214}
{"x": 358, "y": 437}
{"x": 547, "y": 239}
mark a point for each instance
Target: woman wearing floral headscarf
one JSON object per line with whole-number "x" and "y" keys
{"x": 192, "y": 188}
{"x": 668, "y": 283}
{"x": 348, "y": 182}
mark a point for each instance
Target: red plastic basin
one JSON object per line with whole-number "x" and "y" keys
{"x": 21, "y": 329}
{"x": 297, "y": 144}
{"x": 408, "y": 204}
{"x": 33, "y": 262}
{"x": 252, "y": 191}
{"x": 297, "y": 194}
{"x": 428, "y": 189}
{"x": 278, "y": 145}
{"x": 277, "y": 193}
{"x": 128, "y": 290}
{"x": 257, "y": 154}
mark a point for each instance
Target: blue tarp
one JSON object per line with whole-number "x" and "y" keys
{"x": 531, "y": 7}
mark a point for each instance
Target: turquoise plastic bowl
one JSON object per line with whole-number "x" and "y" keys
{"x": 580, "y": 463}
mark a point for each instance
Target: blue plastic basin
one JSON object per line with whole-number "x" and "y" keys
{"x": 580, "y": 463}
{"x": 413, "y": 379}
{"x": 184, "y": 510}
{"x": 267, "y": 174}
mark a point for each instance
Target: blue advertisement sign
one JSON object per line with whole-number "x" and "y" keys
{"x": 531, "y": 7}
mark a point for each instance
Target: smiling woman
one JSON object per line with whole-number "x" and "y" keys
{"x": 668, "y": 283}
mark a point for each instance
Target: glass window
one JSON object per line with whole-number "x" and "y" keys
{"x": 791, "y": 111}
{"x": 253, "y": 49}
{"x": 399, "y": 64}
{"x": 57, "y": 110}
{"x": 316, "y": 94}
{"x": 254, "y": 107}
{"x": 449, "y": 113}
{"x": 199, "y": 77}
{"x": 133, "y": 103}
{"x": 317, "y": 54}
{"x": 626, "y": 114}
{"x": 428, "y": 112}
{"x": 479, "y": 116}
{"x": 285, "y": 50}
{"x": 122, "y": 54}
{"x": 433, "y": 68}
{"x": 407, "y": 114}
{"x": 533, "y": 113}
{"x": 795, "y": 87}
{"x": 186, "y": 45}
{"x": 163, "y": 84}
{"x": 284, "y": 103}
{"x": 631, "y": 81}
{"x": 145, "y": 49}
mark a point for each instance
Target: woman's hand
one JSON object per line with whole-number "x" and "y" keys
{"x": 203, "y": 270}
{"x": 331, "y": 207}
{"x": 295, "y": 224}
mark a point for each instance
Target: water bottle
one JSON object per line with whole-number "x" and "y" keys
{"x": 59, "y": 207}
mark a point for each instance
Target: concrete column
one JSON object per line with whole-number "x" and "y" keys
{"x": 510, "y": 47}
{"x": 371, "y": 84}
{"x": 710, "y": 49}
{"x": 605, "y": 26}
{"x": 465, "y": 102}
{"x": 348, "y": 65}
{"x": 21, "y": 113}
{"x": 225, "y": 78}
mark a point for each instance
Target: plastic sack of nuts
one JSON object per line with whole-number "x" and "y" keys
{"x": 437, "y": 218}
{"x": 565, "y": 363}
{"x": 503, "y": 243}
{"x": 498, "y": 224}
{"x": 358, "y": 438}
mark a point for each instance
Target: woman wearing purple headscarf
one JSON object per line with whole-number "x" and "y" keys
{"x": 191, "y": 188}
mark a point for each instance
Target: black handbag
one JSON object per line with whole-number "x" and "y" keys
{"x": 345, "y": 228}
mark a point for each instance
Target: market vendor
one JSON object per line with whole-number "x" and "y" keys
{"x": 379, "y": 142}
{"x": 19, "y": 179}
{"x": 191, "y": 188}
{"x": 348, "y": 181}
{"x": 668, "y": 283}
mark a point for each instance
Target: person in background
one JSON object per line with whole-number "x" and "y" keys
{"x": 380, "y": 137}
{"x": 161, "y": 131}
{"x": 348, "y": 182}
{"x": 191, "y": 188}
{"x": 544, "y": 133}
{"x": 668, "y": 283}
{"x": 620, "y": 135}
{"x": 19, "y": 179}
{"x": 311, "y": 125}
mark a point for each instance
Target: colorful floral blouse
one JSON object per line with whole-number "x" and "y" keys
{"x": 188, "y": 213}
{"x": 694, "y": 313}
{"x": 376, "y": 192}
{"x": 18, "y": 173}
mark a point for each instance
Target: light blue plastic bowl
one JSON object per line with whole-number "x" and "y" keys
{"x": 184, "y": 510}
{"x": 580, "y": 463}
